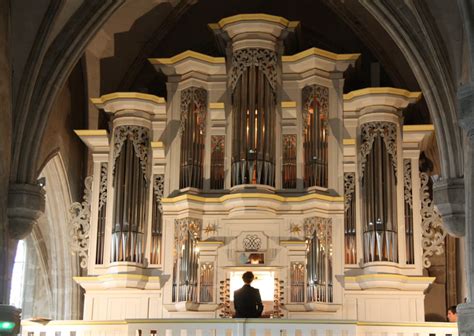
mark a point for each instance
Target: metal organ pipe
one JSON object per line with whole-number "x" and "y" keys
{"x": 130, "y": 205}
{"x": 193, "y": 114}
{"x": 253, "y": 102}
{"x": 379, "y": 199}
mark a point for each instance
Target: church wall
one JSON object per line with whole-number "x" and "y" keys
{"x": 68, "y": 114}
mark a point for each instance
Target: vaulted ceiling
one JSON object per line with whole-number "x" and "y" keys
{"x": 166, "y": 29}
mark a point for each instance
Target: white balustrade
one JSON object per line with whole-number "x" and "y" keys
{"x": 235, "y": 327}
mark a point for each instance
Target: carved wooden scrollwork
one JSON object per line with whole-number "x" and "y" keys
{"x": 265, "y": 59}
{"x": 433, "y": 233}
{"x": 320, "y": 225}
{"x": 349, "y": 188}
{"x": 158, "y": 188}
{"x": 407, "y": 188}
{"x": 386, "y": 130}
{"x": 103, "y": 185}
{"x": 79, "y": 223}
{"x": 140, "y": 138}
{"x": 185, "y": 225}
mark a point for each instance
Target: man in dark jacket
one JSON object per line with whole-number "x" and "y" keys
{"x": 247, "y": 301}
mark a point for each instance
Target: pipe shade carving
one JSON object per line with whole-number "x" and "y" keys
{"x": 139, "y": 136}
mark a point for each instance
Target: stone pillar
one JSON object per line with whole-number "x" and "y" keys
{"x": 26, "y": 203}
{"x": 5, "y": 145}
{"x": 448, "y": 195}
{"x": 466, "y": 121}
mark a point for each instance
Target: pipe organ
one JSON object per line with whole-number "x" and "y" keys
{"x": 256, "y": 161}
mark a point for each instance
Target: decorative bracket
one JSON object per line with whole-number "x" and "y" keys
{"x": 79, "y": 223}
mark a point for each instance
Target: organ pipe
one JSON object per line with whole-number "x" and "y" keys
{"x": 254, "y": 109}
{"x": 315, "y": 135}
{"x": 379, "y": 192}
{"x": 130, "y": 190}
{"x": 193, "y": 115}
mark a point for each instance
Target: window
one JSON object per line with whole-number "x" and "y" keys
{"x": 19, "y": 267}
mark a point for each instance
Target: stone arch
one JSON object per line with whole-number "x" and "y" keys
{"x": 51, "y": 65}
{"x": 53, "y": 266}
{"x": 411, "y": 31}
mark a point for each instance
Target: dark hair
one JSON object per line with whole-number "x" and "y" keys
{"x": 452, "y": 309}
{"x": 247, "y": 277}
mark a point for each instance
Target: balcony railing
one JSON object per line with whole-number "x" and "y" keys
{"x": 234, "y": 327}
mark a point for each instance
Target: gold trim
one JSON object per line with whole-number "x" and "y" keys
{"x": 292, "y": 242}
{"x": 389, "y": 276}
{"x": 321, "y": 53}
{"x": 128, "y": 95}
{"x": 187, "y": 54}
{"x": 382, "y": 90}
{"x": 212, "y": 242}
{"x": 417, "y": 128}
{"x": 288, "y": 104}
{"x": 189, "y": 197}
{"x": 216, "y": 105}
{"x": 94, "y": 132}
{"x": 348, "y": 141}
{"x": 157, "y": 144}
{"x": 253, "y": 17}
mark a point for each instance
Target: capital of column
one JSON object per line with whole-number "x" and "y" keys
{"x": 449, "y": 198}
{"x": 26, "y": 203}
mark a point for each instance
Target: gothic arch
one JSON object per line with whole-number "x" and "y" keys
{"x": 410, "y": 29}
{"x": 48, "y": 68}
{"x": 52, "y": 260}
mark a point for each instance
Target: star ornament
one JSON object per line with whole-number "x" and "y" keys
{"x": 295, "y": 229}
{"x": 210, "y": 229}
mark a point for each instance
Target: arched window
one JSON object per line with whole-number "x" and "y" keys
{"x": 18, "y": 275}
{"x": 193, "y": 118}
{"x": 315, "y": 135}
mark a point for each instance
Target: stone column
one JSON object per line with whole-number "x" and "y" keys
{"x": 466, "y": 121}
{"x": 26, "y": 203}
{"x": 5, "y": 147}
